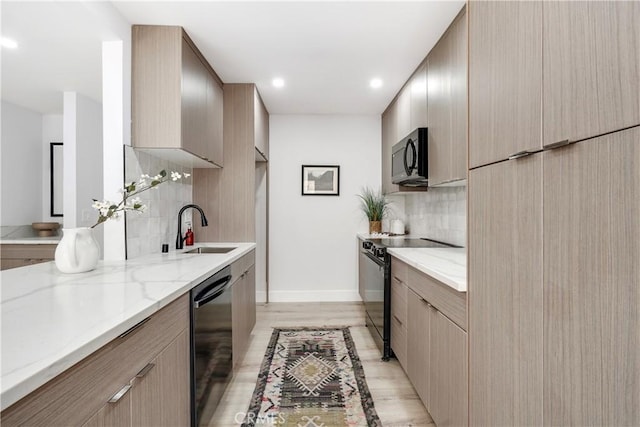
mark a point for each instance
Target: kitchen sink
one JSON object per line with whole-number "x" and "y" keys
{"x": 209, "y": 250}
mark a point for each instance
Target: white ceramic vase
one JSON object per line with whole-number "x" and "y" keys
{"x": 77, "y": 251}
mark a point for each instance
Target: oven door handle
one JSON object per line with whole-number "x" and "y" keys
{"x": 211, "y": 292}
{"x": 374, "y": 259}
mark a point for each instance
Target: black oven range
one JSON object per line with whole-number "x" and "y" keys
{"x": 377, "y": 284}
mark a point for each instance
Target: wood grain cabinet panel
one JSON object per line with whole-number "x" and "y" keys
{"x": 243, "y": 304}
{"x": 418, "y": 345}
{"x": 403, "y": 113}
{"x": 448, "y": 372}
{"x": 399, "y": 320}
{"x": 227, "y": 195}
{"x": 591, "y": 278}
{"x": 505, "y": 293}
{"x": 389, "y": 138}
{"x": 176, "y": 98}
{"x": 505, "y": 79}
{"x": 418, "y": 85}
{"x": 591, "y": 68}
{"x": 447, "y": 105}
{"x": 18, "y": 255}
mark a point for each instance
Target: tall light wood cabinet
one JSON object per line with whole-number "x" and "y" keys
{"x": 553, "y": 246}
{"x": 591, "y": 278}
{"x": 227, "y": 195}
{"x": 591, "y": 68}
{"x": 176, "y": 98}
{"x": 505, "y": 79}
{"x": 447, "y": 105}
{"x": 505, "y": 293}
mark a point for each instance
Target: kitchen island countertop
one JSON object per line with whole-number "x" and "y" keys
{"x": 51, "y": 320}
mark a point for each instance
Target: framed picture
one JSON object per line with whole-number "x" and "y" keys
{"x": 320, "y": 180}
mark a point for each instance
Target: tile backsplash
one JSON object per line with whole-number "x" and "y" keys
{"x": 439, "y": 214}
{"x": 147, "y": 231}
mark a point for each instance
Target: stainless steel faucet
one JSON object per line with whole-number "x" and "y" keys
{"x": 179, "y": 238}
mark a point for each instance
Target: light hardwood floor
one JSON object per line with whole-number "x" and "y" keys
{"x": 396, "y": 402}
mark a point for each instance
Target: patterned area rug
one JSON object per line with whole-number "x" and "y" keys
{"x": 311, "y": 377}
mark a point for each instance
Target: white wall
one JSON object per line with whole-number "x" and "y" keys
{"x": 312, "y": 239}
{"x": 51, "y": 132}
{"x": 82, "y": 132}
{"x": 21, "y": 175}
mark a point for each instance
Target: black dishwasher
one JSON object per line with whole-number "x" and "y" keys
{"x": 211, "y": 348}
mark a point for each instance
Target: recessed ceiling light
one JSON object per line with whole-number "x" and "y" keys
{"x": 277, "y": 82}
{"x": 375, "y": 83}
{"x": 8, "y": 43}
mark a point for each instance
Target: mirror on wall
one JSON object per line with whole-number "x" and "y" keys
{"x": 57, "y": 49}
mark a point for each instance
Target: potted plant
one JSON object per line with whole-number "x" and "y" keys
{"x": 374, "y": 205}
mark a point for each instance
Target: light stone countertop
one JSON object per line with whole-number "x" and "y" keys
{"x": 25, "y": 235}
{"x": 51, "y": 320}
{"x": 448, "y": 265}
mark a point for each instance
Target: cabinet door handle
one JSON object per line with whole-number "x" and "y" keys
{"x": 520, "y": 154}
{"x": 426, "y": 302}
{"x": 558, "y": 144}
{"x": 144, "y": 371}
{"x": 398, "y": 320}
{"x": 120, "y": 393}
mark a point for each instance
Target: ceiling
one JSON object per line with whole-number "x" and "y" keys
{"x": 326, "y": 51}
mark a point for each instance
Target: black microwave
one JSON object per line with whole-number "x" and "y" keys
{"x": 410, "y": 161}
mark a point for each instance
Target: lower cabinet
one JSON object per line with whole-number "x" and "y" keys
{"x": 418, "y": 335}
{"x": 243, "y": 304}
{"x": 159, "y": 396}
{"x": 448, "y": 371}
{"x": 139, "y": 378}
{"x": 435, "y": 347}
{"x": 18, "y": 255}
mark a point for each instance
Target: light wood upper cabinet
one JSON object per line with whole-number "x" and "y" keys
{"x": 389, "y": 138}
{"x": 505, "y": 79}
{"x": 591, "y": 68}
{"x": 403, "y": 113}
{"x": 447, "y": 105}
{"x": 418, "y": 85}
{"x": 261, "y": 120}
{"x": 505, "y": 293}
{"x": 591, "y": 271}
{"x": 176, "y": 98}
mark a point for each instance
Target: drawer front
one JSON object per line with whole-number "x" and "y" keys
{"x": 243, "y": 264}
{"x": 448, "y": 301}
{"x": 399, "y": 300}
{"x": 74, "y": 396}
{"x": 399, "y": 269}
{"x": 399, "y": 341}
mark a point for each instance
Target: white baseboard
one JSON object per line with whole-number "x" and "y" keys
{"x": 311, "y": 296}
